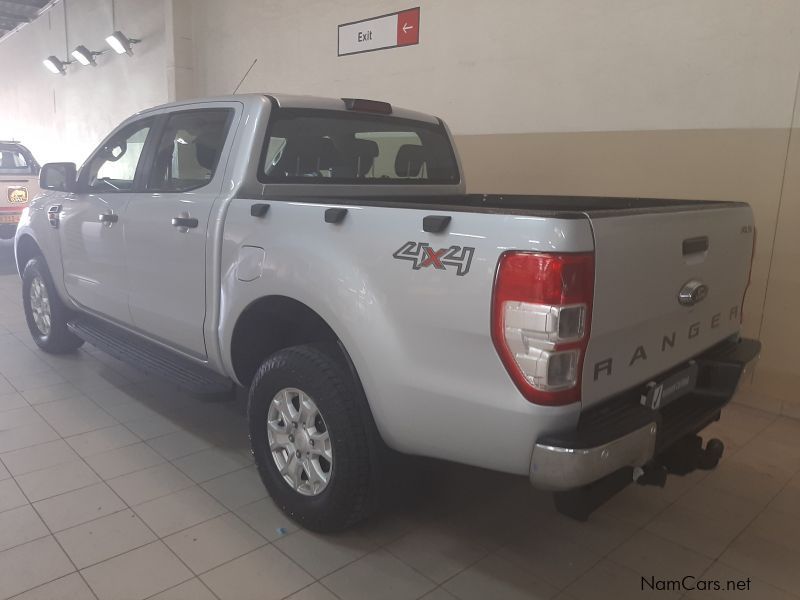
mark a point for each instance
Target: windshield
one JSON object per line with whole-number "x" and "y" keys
{"x": 328, "y": 146}
{"x": 15, "y": 161}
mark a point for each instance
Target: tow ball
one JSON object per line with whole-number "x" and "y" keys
{"x": 685, "y": 456}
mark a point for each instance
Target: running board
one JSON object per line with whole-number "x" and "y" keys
{"x": 149, "y": 357}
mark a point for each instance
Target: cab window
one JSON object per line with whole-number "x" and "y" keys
{"x": 189, "y": 149}
{"x": 113, "y": 168}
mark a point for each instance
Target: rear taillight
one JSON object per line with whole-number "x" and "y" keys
{"x": 541, "y": 315}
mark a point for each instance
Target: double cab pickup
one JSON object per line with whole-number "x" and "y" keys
{"x": 324, "y": 254}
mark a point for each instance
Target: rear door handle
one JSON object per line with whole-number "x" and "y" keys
{"x": 187, "y": 222}
{"x": 108, "y": 218}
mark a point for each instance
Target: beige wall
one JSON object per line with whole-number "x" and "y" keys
{"x": 64, "y": 117}
{"x": 680, "y": 99}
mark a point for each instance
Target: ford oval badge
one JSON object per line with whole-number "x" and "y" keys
{"x": 692, "y": 292}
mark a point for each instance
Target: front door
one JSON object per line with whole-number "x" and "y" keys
{"x": 167, "y": 226}
{"x": 92, "y": 222}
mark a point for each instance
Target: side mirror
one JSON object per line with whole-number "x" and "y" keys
{"x": 60, "y": 177}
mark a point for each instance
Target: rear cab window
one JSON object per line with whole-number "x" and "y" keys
{"x": 14, "y": 160}
{"x": 331, "y": 146}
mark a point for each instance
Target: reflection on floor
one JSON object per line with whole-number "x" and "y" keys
{"x": 114, "y": 485}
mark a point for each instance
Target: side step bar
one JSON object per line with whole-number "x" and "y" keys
{"x": 149, "y": 357}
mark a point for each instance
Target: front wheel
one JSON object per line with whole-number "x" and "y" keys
{"x": 44, "y": 311}
{"x": 313, "y": 438}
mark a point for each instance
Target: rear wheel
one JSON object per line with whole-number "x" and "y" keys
{"x": 313, "y": 438}
{"x": 45, "y": 313}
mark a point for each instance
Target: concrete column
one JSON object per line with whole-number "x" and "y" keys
{"x": 179, "y": 49}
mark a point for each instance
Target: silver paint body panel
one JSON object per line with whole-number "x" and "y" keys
{"x": 420, "y": 339}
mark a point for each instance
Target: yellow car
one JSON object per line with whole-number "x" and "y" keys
{"x": 19, "y": 182}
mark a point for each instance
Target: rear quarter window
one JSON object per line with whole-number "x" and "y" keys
{"x": 328, "y": 146}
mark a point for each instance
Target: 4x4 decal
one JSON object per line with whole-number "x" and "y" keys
{"x": 422, "y": 255}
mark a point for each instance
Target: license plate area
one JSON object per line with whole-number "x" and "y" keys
{"x": 9, "y": 218}
{"x": 658, "y": 394}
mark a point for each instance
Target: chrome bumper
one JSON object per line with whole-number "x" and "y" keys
{"x": 556, "y": 468}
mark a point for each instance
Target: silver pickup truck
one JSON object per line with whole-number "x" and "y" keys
{"x": 324, "y": 253}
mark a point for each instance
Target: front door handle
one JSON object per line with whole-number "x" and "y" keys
{"x": 185, "y": 222}
{"x": 108, "y": 218}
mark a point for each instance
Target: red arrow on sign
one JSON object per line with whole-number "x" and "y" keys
{"x": 408, "y": 27}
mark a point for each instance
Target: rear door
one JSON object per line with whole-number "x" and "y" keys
{"x": 167, "y": 226}
{"x": 644, "y": 260}
{"x": 92, "y": 222}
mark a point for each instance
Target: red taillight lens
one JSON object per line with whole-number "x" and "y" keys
{"x": 541, "y": 315}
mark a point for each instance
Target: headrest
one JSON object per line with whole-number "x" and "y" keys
{"x": 306, "y": 155}
{"x": 363, "y": 153}
{"x": 409, "y": 161}
{"x": 7, "y": 160}
{"x": 207, "y": 149}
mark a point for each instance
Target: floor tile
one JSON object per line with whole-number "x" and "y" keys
{"x": 649, "y": 554}
{"x": 17, "y": 417}
{"x": 10, "y": 495}
{"x": 137, "y": 574}
{"x": 267, "y": 519}
{"x": 178, "y": 444}
{"x": 148, "y": 484}
{"x": 608, "y": 580}
{"x": 75, "y": 416}
{"x": 59, "y": 479}
{"x": 194, "y": 589}
{"x": 323, "y": 554}
{"x": 378, "y": 575}
{"x": 121, "y": 461}
{"x": 38, "y": 457}
{"x": 20, "y": 525}
{"x": 4, "y": 474}
{"x": 102, "y": 440}
{"x": 438, "y": 594}
{"x": 30, "y": 381}
{"x": 104, "y": 538}
{"x": 52, "y": 393}
{"x": 214, "y": 542}
{"x": 179, "y": 510}
{"x": 130, "y": 411}
{"x": 437, "y": 554}
{"x": 71, "y": 587}
{"x": 12, "y": 400}
{"x": 30, "y": 565}
{"x": 264, "y": 574}
{"x": 735, "y": 584}
{"x": 493, "y": 577}
{"x": 79, "y": 506}
{"x": 208, "y": 464}
{"x": 238, "y": 488}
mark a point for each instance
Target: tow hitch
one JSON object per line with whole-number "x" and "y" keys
{"x": 683, "y": 457}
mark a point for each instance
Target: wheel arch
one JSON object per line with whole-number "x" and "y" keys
{"x": 271, "y": 323}
{"x": 25, "y": 249}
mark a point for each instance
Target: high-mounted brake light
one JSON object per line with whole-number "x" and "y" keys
{"x": 373, "y": 106}
{"x": 541, "y": 316}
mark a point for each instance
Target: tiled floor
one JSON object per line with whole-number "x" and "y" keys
{"x": 115, "y": 486}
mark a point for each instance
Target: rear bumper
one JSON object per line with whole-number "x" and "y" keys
{"x": 622, "y": 433}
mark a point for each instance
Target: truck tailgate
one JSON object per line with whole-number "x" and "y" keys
{"x": 643, "y": 260}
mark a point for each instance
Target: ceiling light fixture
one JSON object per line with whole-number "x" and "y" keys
{"x": 85, "y": 56}
{"x": 120, "y": 43}
{"x": 56, "y": 65}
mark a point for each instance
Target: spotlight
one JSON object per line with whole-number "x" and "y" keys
{"x": 120, "y": 43}
{"x": 85, "y": 56}
{"x": 55, "y": 65}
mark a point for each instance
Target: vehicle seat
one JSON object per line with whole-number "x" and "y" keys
{"x": 360, "y": 159}
{"x": 410, "y": 160}
{"x": 308, "y": 156}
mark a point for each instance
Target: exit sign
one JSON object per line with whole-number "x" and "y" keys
{"x": 380, "y": 33}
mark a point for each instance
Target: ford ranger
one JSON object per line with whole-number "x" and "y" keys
{"x": 324, "y": 253}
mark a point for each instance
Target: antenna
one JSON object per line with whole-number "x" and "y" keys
{"x": 245, "y": 75}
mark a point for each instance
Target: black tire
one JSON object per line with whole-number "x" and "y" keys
{"x": 59, "y": 339}
{"x": 353, "y": 486}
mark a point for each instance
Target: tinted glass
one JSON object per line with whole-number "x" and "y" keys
{"x": 113, "y": 168}
{"x": 13, "y": 162}
{"x": 189, "y": 149}
{"x": 322, "y": 146}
